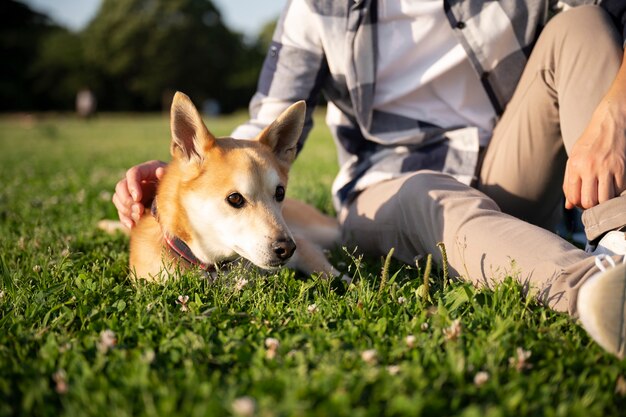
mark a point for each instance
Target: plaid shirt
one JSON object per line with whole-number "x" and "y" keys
{"x": 330, "y": 46}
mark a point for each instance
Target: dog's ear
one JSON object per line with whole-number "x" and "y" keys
{"x": 283, "y": 134}
{"x": 190, "y": 137}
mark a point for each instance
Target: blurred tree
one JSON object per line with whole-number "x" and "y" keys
{"x": 21, "y": 30}
{"x": 59, "y": 70}
{"x": 145, "y": 49}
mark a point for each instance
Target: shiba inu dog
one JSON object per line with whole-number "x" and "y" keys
{"x": 224, "y": 198}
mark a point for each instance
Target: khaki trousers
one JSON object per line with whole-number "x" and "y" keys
{"x": 501, "y": 227}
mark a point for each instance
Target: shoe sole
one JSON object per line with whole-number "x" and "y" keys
{"x": 602, "y": 309}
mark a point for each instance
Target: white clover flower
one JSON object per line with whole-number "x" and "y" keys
{"x": 369, "y": 356}
{"x": 454, "y": 331}
{"x": 37, "y": 269}
{"x": 182, "y": 300}
{"x": 410, "y": 341}
{"x": 272, "y": 343}
{"x": 401, "y": 300}
{"x": 107, "y": 341}
{"x": 312, "y": 308}
{"x": 424, "y": 326}
{"x": 520, "y": 361}
{"x": 244, "y": 406}
{"x": 393, "y": 369}
{"x": 481, "y": 378}
{"x": 148, "y": 356}
{"x": 240, "y": 283}
{"x": 60, "y": 381}
{"x": 65, "y": 347}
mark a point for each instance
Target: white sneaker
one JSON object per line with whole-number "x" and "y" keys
{"x": 602, "y": 306}
{"x": 613, "y": 243}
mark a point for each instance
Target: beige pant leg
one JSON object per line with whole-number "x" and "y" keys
{"x": 484, "y": 245}
{"x": 569, "y": 71}
{"x": 413, "y": 213}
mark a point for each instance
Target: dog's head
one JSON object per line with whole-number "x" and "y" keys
{"x": 223, "y": 196}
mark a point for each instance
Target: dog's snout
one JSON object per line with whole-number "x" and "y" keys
{"x": 284, "y": 248}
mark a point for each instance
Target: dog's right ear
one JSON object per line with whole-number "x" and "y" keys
{"x": 190, "y": 137}
{"x": 283, "y": 134}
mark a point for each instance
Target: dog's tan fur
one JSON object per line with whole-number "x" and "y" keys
{"x": 192, "y": 200}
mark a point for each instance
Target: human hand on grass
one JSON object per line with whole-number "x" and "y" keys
{"x": 596, "y": 168}
{"x": 136, "y": 190}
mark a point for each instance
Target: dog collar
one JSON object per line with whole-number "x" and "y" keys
{"x": 179, "y": 247}
{"x": 182, "y": 250}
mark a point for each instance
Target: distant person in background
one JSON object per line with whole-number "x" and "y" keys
{"x": 85, "y": 103}
{"x": 464, "y": 123}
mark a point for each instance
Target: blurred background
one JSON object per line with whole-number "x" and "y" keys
{"x": 131, "y": 55}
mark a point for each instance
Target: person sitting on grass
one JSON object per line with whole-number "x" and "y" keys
{"x": 464, "y": 123}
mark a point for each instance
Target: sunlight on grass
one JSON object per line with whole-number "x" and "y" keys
{"x": 78, "y": 338}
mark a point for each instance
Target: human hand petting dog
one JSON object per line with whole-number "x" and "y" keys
{"x": 136, "y": 190}
{"x": 596, "y": 168}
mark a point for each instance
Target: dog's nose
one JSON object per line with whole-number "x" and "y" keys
{"x": 284, "y": 248}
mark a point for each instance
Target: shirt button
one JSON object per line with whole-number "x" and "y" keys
{"x": 460, "y": 25}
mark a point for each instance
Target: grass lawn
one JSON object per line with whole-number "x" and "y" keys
{"x": 77, "y": 337}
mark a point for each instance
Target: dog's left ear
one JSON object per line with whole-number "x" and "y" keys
{"x": 190, "y": 137}
{"x": 283, "y": 134}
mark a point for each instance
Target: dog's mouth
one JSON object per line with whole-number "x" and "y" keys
{"x": 275, "y": 264}
{"x": 269, "y": 265}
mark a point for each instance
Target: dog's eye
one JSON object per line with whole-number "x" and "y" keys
{"x": 280, "y": 193}
{"x": 236, "y": 200}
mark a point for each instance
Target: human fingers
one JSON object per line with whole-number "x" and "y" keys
{"x": 133, "y": 180}
{"x": 620, "y": 180}
{"x": 589, "y": 192}
{"x": 145, "y": 173}
{"x": 160, "y": 171}
{"x": 569, "y": 202}
{"x": 122, "y": 198}
{"x": 572, "y": 189}
{"x": 123, "y": 212}
{"x": 606, "y": 188}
